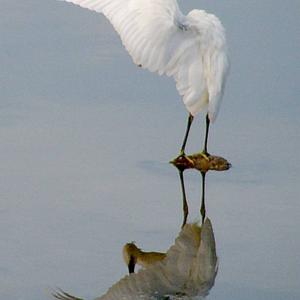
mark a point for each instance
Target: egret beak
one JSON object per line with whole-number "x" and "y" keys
{"x": 131, "y": 265}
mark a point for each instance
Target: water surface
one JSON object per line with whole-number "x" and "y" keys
{"x": 86, "y": 137}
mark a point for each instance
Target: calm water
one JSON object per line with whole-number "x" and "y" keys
{"x": 86, "y": 138}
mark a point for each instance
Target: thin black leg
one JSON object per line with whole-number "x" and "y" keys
{"x": 190, "y": 121}
{"x": 202, "y": 209}
{"x": 206, "y": 134}
{"x": 184, "y": 202}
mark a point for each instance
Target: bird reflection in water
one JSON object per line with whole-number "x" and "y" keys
{"x": 187, "y": 270}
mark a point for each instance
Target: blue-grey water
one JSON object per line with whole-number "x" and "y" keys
{"x": 86, "y": 136}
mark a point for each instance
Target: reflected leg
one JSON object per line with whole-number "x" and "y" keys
{"x": 190, "y": 121}
{"x": 184, "y": 202}
{"x": 202, "y": 209}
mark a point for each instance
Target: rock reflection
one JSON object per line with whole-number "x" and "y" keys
{"x": 188, "y": 270}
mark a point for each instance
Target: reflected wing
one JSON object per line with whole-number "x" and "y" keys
{"x": 189, "y": 269}
{"x": 161, "y": 39}
{"x": 205, "y": 268}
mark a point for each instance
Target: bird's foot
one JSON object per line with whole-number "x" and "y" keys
{"x": 183, "y": 157}
{"x": 205, "y": 154}
{"x": 182, "y": 161}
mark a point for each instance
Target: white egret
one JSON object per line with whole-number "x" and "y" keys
{"x": 160, "y": 38}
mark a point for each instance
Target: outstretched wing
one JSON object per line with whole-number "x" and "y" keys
{"x": 161, "y": 39}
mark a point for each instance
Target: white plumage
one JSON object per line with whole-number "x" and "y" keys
{"x": 160, "y": 38}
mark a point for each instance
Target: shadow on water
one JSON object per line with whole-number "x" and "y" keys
{"x": 188, "y": 269}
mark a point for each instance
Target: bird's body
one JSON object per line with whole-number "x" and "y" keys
{"x": 159, "y": 37}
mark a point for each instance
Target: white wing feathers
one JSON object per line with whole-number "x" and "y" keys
{"x": 161, "y": 39}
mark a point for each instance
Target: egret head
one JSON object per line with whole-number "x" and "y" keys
{"x": 130, "y": 254}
